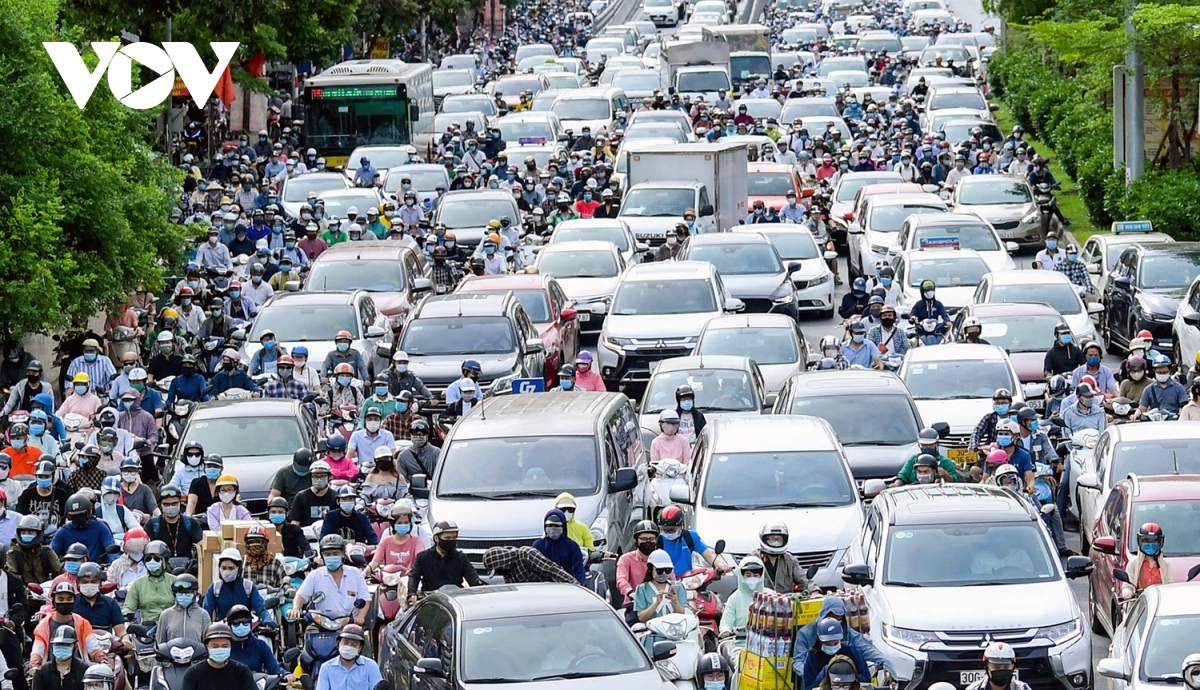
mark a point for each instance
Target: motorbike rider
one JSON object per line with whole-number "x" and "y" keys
{"x": 345, "y": 390}
{"x": 180, "y": 533}
{"x": 351, "y": 669}
{"x": 14, "y": 616}
{"x": 350, "y": 523}
{"x": 189, "y": 384}
{"x": 218, "y": 670}
{"x": 83, "y": 527}
{"x": 1105, "y": 380}
{"x": 402, "y": 546}
{"x": 854, "y": 302}
{"x": 737, "y": 608}
{"x": 251, "y": 650}
{"x": 1049, "y": 258}
{"x": 228, "y": 506}
{"x": 714, "y": 672}
{"x": 1064, "y": 357}
{"x": 420, "y": 457}
{"x": 75, "y": 556}
{"x": 99, "y": 368}
{"x": 295, "y": 544}
{"x": 1148, "y": 567}
{"x": 118, "y": 518}
{"x": 102, "y": 612}
{"x": 471, "y": 369}
{"x": 1000, "y": 662}
{"x": 659, "y": 593}
{"x": 344, "y": 353}
{"x": 42, "y": 437}
{"x": 60, "y": 667}
{"x": 559, "y": 548}
{"x": 28, "y": 558}
{"x": 858, "y": 350}
{"x": 1086, "y": 413}
{"x": 1191, "y": 411}
{"x": 1165, "y": 393}
{"x": 400, "y": 379}
{"x": 80, "y": 399}
{"x": 231, "y": 376}
{"x": 62, "y": 597}
{"x": 312, "y": 504}
{"x": 1135, "y": 382}
{"x": 943, "y": 468}
{"x": 365, "y": 441}
{"x": 25, "y": 456}
{"x": 342, "y": 584}
{"x": 186, "y": 618}
{"x": 130, "y": 566}
{"x": 203, "y": 491}
{"x": 928, "y": 307}
{"x": 887, "y": 337}
{"x": 442, "y": 565}
{"x": 691, "y": 420}
{"x": 380, "y": 399}
{"x": 302, "y": 372}
{"x": 681, "y": 543}
{"x": 985, "y": 431}
{"x": 231, "y": 589}
{"x": 292, "y": 479}
{"x": 150, "y": 595}
{"x": 576, "y": 530}
{"x": 670, "y": 443}
{"x": 833, "y": 655}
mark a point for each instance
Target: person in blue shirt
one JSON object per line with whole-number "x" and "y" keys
{"x": 858, "y": 350}
{"x": 232, "y": 589}
{"x": 680, "y": 543}
{"x": 834, "y": 608}
{"x": 558, "y": 547}
{"x": 102, "y": 612}
{"x": 1165, "y": 393}
{"x": 792, "y": 211}
{"x": 1007, "y": 431}
{"x": 189, "y": 385}
{"x": 251, "y": 650}
{"x": 350, "y": 669}
{"x": 351, "y": 524}
{"x": 43, "y": 401}
{"x": 83, "y": 527}
{"x": 1091, "y": 366}
{"x": 831, "y": 649}
{"x": 230, "y": 376}
{"x": 929, "y": 308}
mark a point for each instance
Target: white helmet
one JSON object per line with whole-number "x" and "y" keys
{"x": 1007, "y": 470}
{"x": 773, "y": 529}
{"x": 231, "y": 554}
{"x": 352, "y": 210}
{"x": 668, "y": 416}
{"x": 972, "y": 322}
{"x": 999, "y": 652}
{"x": 1191, "y": 671}
{"x": 1008, "y": 424}
{"x": 320, "y": 466}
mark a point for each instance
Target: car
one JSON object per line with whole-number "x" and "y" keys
{"x": 1186, "y": 334}
{"x": 544, "y": 100}
{"x": 929, "y": 73}
{"x": 809, "y": 106}
{"x": 840, "y": 224}
{"x": 470, "y": 103}
{"x": 1026, "y": 332}
{"x": 1151, "y": 643}
{"x": 1173, "y": 503}
{"x": 770, "y": 183}
{"x": 948, "y": 54}
{"x": 395, "y": 274}
{"x": 846, "y": 189}
{"x": 1144, "y": 292}
{"x": 294, "y": 191}
{"x": 547, "y": 306}
{"x": 953, "y": 383}
{"x": 879, "y": 94}
{"x": 255, "y": 437}
{"x": 542, "y": 153}
{"x": 466, "y": 212}
{"x": 338, "y": 201}
{"x": 381, "y": 156}
{"x": 750, "y": 268}
{"x": 663, "y": 12}
{"x": 751, "y": 471}
{"x": 874, "y": 230}
{"x": 526, "y": 50}
{"x": 884, "y": 42}
{"x": 841, "y": 63}
{"x": 604, "y": 229}
{"x": 1004, "y": 201}
{"x": 813, "y": 282}
{"x": 512, "y": 86}
{"x": 803, "y": 34}
{"x": 471, "y": 125}
{"x": 459, "y": 61}
{"x": 587, "y": 271}
{"x": 530, "y": 128}
{"x": 937, "y": 566}
{"x": 821, "y": 125}
{"x": 638, "y": 83}
{"x": 940, "y": 118}
{"x": 1049, "y": 287}
{"x": 773, "y": 341}
{"x": 913, "y": 45}
{"x": 561, "y": 80}
{"x": 618, "y": 64}
{"x": 1101, "y": 251}
{"x": 725, "y": 385}
{"x": 961, "y": 230}
{"x": 532, "y": 62}
{"x": 452, "y": 82}
{"x": 667, "y": 115}
{"x": 426, "y": 178}
{"x": 854, "y": 78}
{"x": 959, "y": 129}
{"x": 1145, "y": 449}
{"x": 789, "y": 58}
{"x": 656, "y": 131}
{"x": 490, "y": 327}
{"x": 312, "y": 319}
{"x": 962, "y": 99}
{"x": 657, "y": 313}
{"x": 956, "y": 272}
{"x": 872, "y": 413}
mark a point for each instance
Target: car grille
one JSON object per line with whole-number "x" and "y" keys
{"x": 1008, "y": 225}
{"x": 653, "y": 242}
{"x": 963, "y": 651}
{"x": 644, "y": 361}
{"x": 860, "y": 482}
{"x": 474, "y": 548}
{"x": 806, "y": 559}
{"x": 800, "y": 284}
{"x": 756, "y": 306}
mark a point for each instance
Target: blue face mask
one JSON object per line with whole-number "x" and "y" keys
{"x": 44, "y": 483}
{"x": 193, "y": 284}
{"x": 401, "y": 528}
{"x": 122, "y": 406}
{"x": 401, "y": 408}
{"x": 686, "y": 404}
{"x": 1033, "y": 426}
{"x": 1072, "y": 257}
{"x": 212, "y": 473}
{"x": 831, "y": 649}
{"x": 1051, "y": 244}
{"x": 185, "y": 302}
{"x": 241, "y": 629}
{"x": 18, "y": 443}
{"x": 1093, "y": 361}
{"x": 567, "y": 384}
{"x": 154, "y": 566}
{"x": 343, "y": 380}
{"x": 71, "y": 567}
{"x": 185, "y": 600}
{"x": 672, "y": 537}
{"x": 81, "y": 390}
{"x": 235, "y": 294}
{"x": 489, "y": 251}
{"x": 858, "y": 337}
{"x": 346, "y": 506}
{"x": 450, "y": 244}
{"x": 381, "y": 391}
{"x": 1151, "y": 549}
{"x": 62, "y": 652}
{"x": 333, "y": 562}
{"x": 270, "y": 345}
{"x": 27, "y": 538}
{"x": 343, "y": 347}
{"x": 37, "y": 429}
{"x": 1004, "y": 441}
{"x": 587, "y": 197}
{"x": 1000, "y": 409}
{"x": 886, "y": 282}
{"x": 219, "y": 655}
{"x": 89, "y": 356}
{"x": 1065, "y": 339}
{"x": 277, "y": 518}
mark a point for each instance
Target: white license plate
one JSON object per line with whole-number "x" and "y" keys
{"x": 1005, "y": 235}
{"x": 583, "y": 317}
{"x": 1037, "y": 404}
{"x": 965, "y": 678}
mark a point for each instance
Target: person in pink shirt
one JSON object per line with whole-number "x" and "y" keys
{"x": 585, "y": 378}
{"x": 402, "y": 547}
{"x": 81, "y": 400}
{"x": 342, "y": 466}
{"x": 631, "y": 566}
{"x": 669, "y": 444}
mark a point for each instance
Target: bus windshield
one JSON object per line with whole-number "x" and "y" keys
{"x": 337, "y": 125}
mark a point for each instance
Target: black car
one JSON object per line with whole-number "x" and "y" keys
{"x": 1144, "y": 290}
{"x": 515, "y": 635}
{"x": 750, "y": 268}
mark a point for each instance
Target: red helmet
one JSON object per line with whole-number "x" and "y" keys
{"x": 343, "y": 335}
{"x": 671, "y": 516}
{"x": 1150, "y": 534}
{"x": 343, "y": 368}
{"x": 256, "y": 532}
{"x": 1145, "y": 335}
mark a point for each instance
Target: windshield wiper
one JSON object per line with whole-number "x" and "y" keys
{"x": 901, "y": 583}
{"x": 722, "y": 506}
{"x": 798, "y": 504}
{"x": 497, "y": 679}
{"x": 575, "y": 674}
{"x": 522, "y": 494}
{"x": 959, "y": 397}
{"x": 465, "y": 494}
{"x": 1170, "y": 680}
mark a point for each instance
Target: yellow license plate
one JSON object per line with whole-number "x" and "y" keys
{"x": 961, "y": 456}
{"x": 336, "y": 162}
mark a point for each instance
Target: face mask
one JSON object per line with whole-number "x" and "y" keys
{"x": 71, "y": 567}
{"x": 714, "y": 685}
{"x": 553, "y": 532}
{"x": 420, "y": 441}
{"x": 372, "y": 426}
{"x": 1151, "y": 549}
{"x": 924, "y": 478}
{"x": 81, "y": 390}
{"x": 1086, "y": 402}
{"x": 1065, "y": 339}
{"x": 89, "y": 356}
{"x": 1004, "y": 441}
{"x": 89, "y": 590}
{"x": 671, "y": 536}
{"x": 346, "y": 506}
{"x": 333, "y": 562}
{"x": 646, "y": 548}
{"x": 63, "y": 652}
{"x": 1162, "y": 378}
{"x": 212, "y": 473}
{"x": 343, "y": 347}
{"x": 401, "y": 408}
{"x": 691, "y": 222}
{"x": 661, "y": 577}
{"x": 686, "y": 404}
{"x": 27, "y": 538}
{"x": 831, "y": 649}
{"x": 1093, "y": 361}
{"x": 192, "y": 460}
{"x": 1051, "y": 244}
{"x": 136, "y": 556}
{"x": 1001, "y": 676}
{"x": 37, "y": 429}
{"x": 448, "y": 545}
{"x": 343, "y": 380}
{"x": 320, "y": 484}
{"x": 752, "y": 582}
{"x": 44, "y": 482}
{"x": 566, "y": 384}
{"x": 859, "y": 337}
{"x": 241, "y": 629}
{"x": 347, "y": 651}
{"x": 229, "y": 574}
{"x": 227, "y": 496}
{"x": 220, "y": 654}
{"x": 184, "y": 600}
{"x": 1034, "y": 425}
{"x": 928, "y": 294}
{"x": 381, "y": 391}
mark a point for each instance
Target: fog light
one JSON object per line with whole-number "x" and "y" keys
{"x": 608, "y": 371}
{"x": 1079, "y": 680}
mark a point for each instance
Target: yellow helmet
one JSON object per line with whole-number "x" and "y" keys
{"x": 227, "y": 480}
{"x": 81, "y": 377}
{"x": 494, "y": 224}
{"x": 169, "y": 313}
{"x": 1198, "y": 356}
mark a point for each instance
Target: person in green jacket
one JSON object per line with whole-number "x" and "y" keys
{"x": 576, "y": 530}
{"x": 737, "y": 608}
{"x": 335, "y": 234}
{"x": 927, "y": 442}
{"x": 151, "y": 595}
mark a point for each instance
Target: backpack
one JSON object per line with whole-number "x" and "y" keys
{"x": 247, "y": 584}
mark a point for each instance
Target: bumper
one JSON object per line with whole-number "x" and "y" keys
{"x": 1161, "y": 330}
{"x": 1021, "y": 233}
{"x": 814, "y": 297}
{"x": 668, "y": 19}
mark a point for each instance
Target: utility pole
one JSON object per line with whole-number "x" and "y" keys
{"x": 1135, "y": 107}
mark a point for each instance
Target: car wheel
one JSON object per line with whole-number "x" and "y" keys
{"x": 1106, "y": 335}
{"x": 1176, "y": 353}
{"x": 1097, "y": 626}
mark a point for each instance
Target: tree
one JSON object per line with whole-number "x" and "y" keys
{"x": 386, "y": 18}
{"x": 83, "y": 201}
{"x": 1168, "y": 37}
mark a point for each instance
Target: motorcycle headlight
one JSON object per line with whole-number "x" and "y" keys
{"x": 1090, "y": 441}
{"x": 909, "y": 639}
{"x": 392, "y": 579}
{"x": 1062, "y": 633}
{"x": 675, "y": 631}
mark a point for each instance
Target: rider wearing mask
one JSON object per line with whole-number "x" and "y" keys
{"x": 587, "y": 379}
{"x": 669, "y": 443}
{"x": 292, "y": 479}
{"x": 888, "y": 338}
{"x": 190, "y": 383}
{"x": 1148, "y": 567}
{"x": 347, "y": 521}
{"x": 28, "y": 557}
{"x": 83, "y": 527}
{"x": 218, "y": 670}
{"x": 782, "y": 571}
{"x": 833, "y": 652}
{"x": 930, "y": 308}
{"x": 737, "y": 607}
{"x": 402, "y": 546}
{"x": 178, "y": 532}
{"x": 381, "y": 400}
{"x": 670, "y": 249}
{"x": 228, "y": 506}
{"x": 41, "y": 437}
{"x": 203, "y": 491}
{"x": 1105, "y": 381}
{"x": 576, "y": 530}
{"x": 985, "y": 430}
{"x": 231, "y": 589}
{"x": 117, "y": 517}
{"x": 285, "y": 386}
{"x": 311, "y": 505}
{"x": 1049, "y": 258}
{"x": 1165, "y": 393}
{"x": 101, "y": 611}
{"x": 61, "y": 640}
{"x": 262, "y": 567}
{"x": 251, "y": 650}
{"x": 130, "y": 565}
{"x": 1075, "y": 270}
{"x": 691, "y": 420}
{"x": 186, "y": 619}
{"x": 631, "y": 566}
{"x": 294, "y": 542}
{"x": 344, "y": 353}
{"x": 350, "y": 669}
{"x": 80, "y": 399}
{"x": 943, "y": 467}
{"x": 400, "y": 379}
{"x": 266, "y": 359}
{"x": 855, "y": 301}
{"x": 1000, "y": 662}
{"x": 420, "y": 457}
{"x": 364, "y": 441}
{"x": 658, "y": 594}
{"x": 231, "y": 376}
{"x": 680, "y": 543}
{"x": 858, "y": 350}
{"x": 25, "y": 456}
{"x": 973, "y": 331}
{"x": 151, "y": 595}
{"x": 442, "y": 565}
{"x": 559, "y": 548}
{"x": 1064, "y": 357}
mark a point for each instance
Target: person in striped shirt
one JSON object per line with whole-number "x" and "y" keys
{"x": 92, "y": 362}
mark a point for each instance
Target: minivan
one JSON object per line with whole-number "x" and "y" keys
{"x": 592, "y": 108}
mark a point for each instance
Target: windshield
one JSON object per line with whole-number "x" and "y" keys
{"x": 582, "y": 109}
{"x": 744, "y": 67}
{"x": 521, "y": 466}
{"x": 968, "y": 555}
{"x": 548, "y": 648}
{"x": 336, "y": 206}
{"x": 763, "y": 345}
{"x": 1169, "y": 271}
{"x": 372, "y": 276}
{"x": 948, "y": 272}
{"x": 962, "y": 379}
{"x": 468, "y": 211}
{"x": 342, "y": 123}
{"x": 380, "y": 158}
{"x": 769, "y": 184}
{"x": 654, "y": 130}
{"x": 490, "y": 335}
{"x": 1176, "y": 518}
{"x": 717, "y": 390}
{"x": 794, "y": 246}
{"x": 422, "y": 180}
{"x": 738, "y": 259}
{"x": 297, "y": 188}
{"x": 468, "y": 105}
{"x": 994, "y": 192}
{"x": 1154, "y": 458}
{"x": 890, "y": 218}
{"x": 797, "y": 479}
{"x": 642, "y": 297}
{"x": 881, "y": 44}
{"x": 657, "y": 203}
{"x": 1061, "y": 296}
{"x": 861, "y": 420}
{"x": 578, "y": 264}
{"x": 304, "y": 323}
{"x": 1024, "y": 333}
{"x": 247, "y": 436}
{"x": 452, "y": 78}
{"x": 515, "y": 85}
{"x": 854, "y": 79}
{"x": 914, "y": 42}
{"x": 514, "y": 131}
{"x": 536, "y": 304}
{"x": 576, "y": 233}
{"x": 978, "y": 237}
{"x": 691, "y": 82}
{"x": 635, "y": 81}
{"x": 1171, "y": 640}
{"x": 849, "y": 186}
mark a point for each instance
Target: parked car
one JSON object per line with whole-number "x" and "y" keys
{"x": 1145, "y": 290}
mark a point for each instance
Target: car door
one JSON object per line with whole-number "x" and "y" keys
{"x": 568, "y": 329}
{"x": 1103, "y": 583}
{"x": 1187, "y": 336}
{"x": 1092, "y": 256}
{"x": 1117, "y": 295}
{"x": 1133, "y": 651}
{"x": 424, "y": 636}
{"x": 534, "y": 362}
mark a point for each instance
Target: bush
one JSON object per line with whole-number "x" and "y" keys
{"x": 1169, "y": 198}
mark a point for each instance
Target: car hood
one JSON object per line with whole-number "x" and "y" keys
{"x": 997, "y": 212}
{"x": 878, "y": 462}
{"x": 810, "y": 268}
{"x": 1162, "y": 301}
{"x": 642, "y": 680}
{"x": 445, "y": 369}
{"x": 754, "y": 286}
{"x": 1029, "y": 366}
{"x": 998, "y": 261}
{"x": 1081, "y": 324}
{"x": 503, "y": 519}
{"x": 439, "y": 91}
{"x": 775, "y": 375}
{"x": 650, "y": 227}
{"x": 255, "y": 473}
{"x": 961, "y": 415}
{"x": 391, "y": 303}
{"x": 470, "y": 236}
{"x": 776, "y": 202}
{"x": 811, "y": 529}
{"x": 953, "y": 298}
{"x": 578, "y": 288}
{"x": 655, "y": 326}
{"x": 950, "y": 608}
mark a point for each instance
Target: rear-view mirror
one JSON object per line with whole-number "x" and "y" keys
{"x": 857, "y": 574}
{"x": 680, "y": 493}
{"x": 663, "y": 649}
{"x": 1106, "y": 545}
{"x": 625, "y": 480}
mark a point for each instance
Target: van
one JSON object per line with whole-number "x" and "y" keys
{"x": 505, "y": 461}
{"x": 594, "y": 108}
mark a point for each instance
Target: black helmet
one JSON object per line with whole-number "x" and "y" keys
{"x": 712, "y": 663}
{"x": 671, "y": 516}
{"x": 926, "y": 460}
{"x": 194, "y": 445}
{"x": 18, "y": 430}
{"x": 34, "y": 365}
{"x": 157, "y": 549}
{"x": 90, "y": 451}
{"x": 1002, "y": 394}
{"x": 218, "y": 631}
{"x": 107, "y": 434}
{"x": 331, "y": 542}
{"x": 302, "y": 457}
{"x": 353, "y": 632}
{"x": 238, "y": 611}
{"x": 185, "y": 583}
{"x": 88, "y": 570}
{"x": 76, "y": 552}
{"x": 645, "y": 526}
{"x": 1026, "y": 413}
{"x": 684, "y": 391}
{"x": 79, "y": 503}
{"x": 278, "y": 502}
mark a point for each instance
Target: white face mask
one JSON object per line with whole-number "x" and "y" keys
{"x": 372, "y": 426}
{"x": 226, "y": 496}
{"x": 89, "y": 590}
{"x": 1162, "y": 378}
{"x": 347, "y": 651}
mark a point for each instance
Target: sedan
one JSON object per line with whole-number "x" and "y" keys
{"x": 725, "y": 385}
{"x": 339, "y": 201}
{"x": 773, "y": 341}
{"x": 956, "y": 272}
{"x": 452, "y": 82}
{"x": 296, "y": 189}
{"x": 1152, "y": 641}
{"x": 750, "y": 268}
{"x": 959, "y": 230}
{"x": 813, "y": 281}
{"x": 770, "y": 183}
{"x": 1005, "y": 202}
{"x": 759, "y": 108}
{"x": 312, "y": 319}
{"x": 381, "y": 156}
{"x": 604, "y": 229}
{"x": 470, "y": 103}
{"x": 874, "y": 231}
{"x": 588, "y": 271}
{"x": 1026, "y": 332}
{"x": 1048, "y": 287}
{"x": 1146, "y": 290}
{"x": 637, "y": 84}
{"x": 656, "y": 130}
{"x": 425, "y": 179}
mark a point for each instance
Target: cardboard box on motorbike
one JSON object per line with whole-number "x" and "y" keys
{"x": 234, "y": 532}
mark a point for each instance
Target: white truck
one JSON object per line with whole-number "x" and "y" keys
{"x": 695, "y": 68}
{"x": 666, "y": 181}
{"x": 749, "y": 51}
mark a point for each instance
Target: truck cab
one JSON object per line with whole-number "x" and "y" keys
{"x": 653, "y": 208}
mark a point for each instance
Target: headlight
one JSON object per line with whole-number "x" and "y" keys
{"x": 1090, "y": 441}
{"x": 821, "y": 279}
{"x": 617, "y": 343}
{"x": 786, "y": 299}
{"x": 1033, "y": 217}
{"x": 910, "y": 639}
{"x": 1061, "y": 633}
{"x": 675, "y": 631}
{"x": 1155, "y": 316}
{"x": 503, "y": 384}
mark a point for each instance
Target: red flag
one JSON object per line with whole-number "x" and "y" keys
{"x": 224, "y": 89}
{"x": 256, "y": 64}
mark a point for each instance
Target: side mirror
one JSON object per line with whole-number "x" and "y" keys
{"x": 769, "y": 402}
{"x": 873, "y": 487}
{"x": 680, "y": 493}
{"x": 1121, "y": 576}
{"x": 829, "y": 256}
{"x": 857, "y": 574}
{"x": 374, "y": 332}
{"x": 734, "y": 304}
{"x": 138, "y": 630}
{"x": 942, "y": 428}
{"x": 1193, "y": 572}
{"x": 1078, "y": 566}
{"x": 1112, "y": 668}
{"x": 1093, "y": 269}
{"x": 533, "y": 345}
{"x": 430, "y": 667}
{"x": 306, "y": 682}
{"x": 641, "y": 247}
{"x": 664, "y": 649}
{"x": 993, "y": 107}
{"x": 383, "y": 352}
{"x": 422, "y": 284}
{"x": 793, "y": 266}
{"x": 1095, "y": 308}
{"x": 290, "y": 656}
{"x": 599, "y": 308}
{"x": 625, "y": 480}
{"x": 1011, "y": 247}
{"x": 1192, "y": 319}
{"x": 112, "y": 549}
{"x": 1106, "y": 545}
{"x": 568, "y": 314}
{"x": 414, "y": 112}
{"x": 1089, "y": 480}
{"x": 1123, "y": 281}
{"x": 418, "y": 485}
{"x": 271, "y": 602}
{"x": 719, "y": 547}
{"x": 706, "y": 210}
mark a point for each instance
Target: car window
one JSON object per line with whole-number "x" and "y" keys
{"x": 763, "y": 345}
{"x": 1091, "y": 252}
{"x": 798, "y": 479}
{"x": 252, "y": 438}
{"x": 1170, "y": 640}
{"x": 429, "y": 631}
{"x": 969, "y": 555}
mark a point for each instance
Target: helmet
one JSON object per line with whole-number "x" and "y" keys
{"x": 240, "y": 611}
{"x": 352, "y": 632}
{"x": 76, "y": 552}
{"x": 1191, "y": 670}
{"x": 668, "y": 416}
{"x": 1058, "y": 384}
{"x": 88, "y": 570}
{"x": 1007, "y": 424}
{"x": 1005, "y": 471}
{"x": 972, "y": 322}
{"x": 226, "y": 480}
{"x": 712, "y": 663}
{"x": 399, "y": 508}
{"x": 99, "y": 673}
{"x": 671, "y": 516}
{"x": 999, "y": 652}
{"x": 218, "y": 631}
{"x": 1026, "y": 414}
{"x": 278, "y": 502}
{"x": 31, "y": 523}
{"x": 230, "y": 554}
{"x": 928, "y": 437}
{"x": 444, "y": 526}
{"x": 773, "y": 529}
{"x": 169, "y": 491}
{"x": 684, "y": 391}
{"x": 926, "y": 460}
{"x": 347, "y": 491}
{"x": 344, "y": 368}
{"x": 829, "y": 342}
{"x": 256, "y": 532}
{"x": 110, "y": 485}
{"x": 302, "y": 457}
{"x": 79, "y": 503}
{"x": 158, "y": 549}
{"x": 1002, "y": 394}
{"x": 1150, "y": 535}
{"x": 860, "y": 285}
{"x": 996, "y": 458}
{"x": 63, "y": 587}
{"x": 320, "y": 467}
{"x": 332, "y": 542}
{"x": 418, "y": 424}
{"x": 1084, "y": 390}
{"x": 66, "y": 633}
{"x": 645, "y": 527}
{"x": 185, "y": 583}
{"x": 337, "y": 441}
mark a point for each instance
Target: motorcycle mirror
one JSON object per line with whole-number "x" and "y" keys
{"x": 271, "y": 602}
{"x": 1195, "y": 570}
{"x": 290, "y": 656}
{"x": 12, "y": 674}
{"x": 306, "y": 682}
{"x": 112, "y": 549}
{"x": 318, "y": 598}
{"x": 1123, "y": 576}
{"x": 35, "y": 588}
{"x": 359, "y": 603}
{"x": 719, "y": 547}
{"x": 136, "y": 629}
{"x": 812, "y": 571}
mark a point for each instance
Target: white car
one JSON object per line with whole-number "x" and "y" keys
{"x": 294, "y": 193}
{"x": 954, "y": 383}
{"x": 874, "y": 232}
{"x": 1187, "y": 324}
{"x": 813, "y": 282}
{"x": 962, "y": 230}
{"x": 1050, "y": 287}
{"x": 1149, "y": 646}
{"x": 773, "y": 341}
{"x": 956, "y": 272}
{"x": 605, "y": 230}
{"x": 588, "y": 272}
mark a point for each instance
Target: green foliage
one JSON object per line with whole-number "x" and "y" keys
{"x": 83, "y": 201}
{"x": 396, "y": 17}
{"x": 1169, "y": 198}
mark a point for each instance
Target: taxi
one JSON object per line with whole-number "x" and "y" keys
{"x": 1101, "y": 251}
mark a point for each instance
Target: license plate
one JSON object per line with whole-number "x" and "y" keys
{"x": 1005, "y": 235}
{"x": 583, "y": 317}
{"x": 1036, "y": 404}
{"x": 961, "y": 456}
{"x": 967, "y": 677}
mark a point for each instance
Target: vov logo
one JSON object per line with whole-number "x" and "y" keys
{"x": 118, "y": 62}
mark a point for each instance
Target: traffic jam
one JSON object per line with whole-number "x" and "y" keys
{"x": 693, "y": 344}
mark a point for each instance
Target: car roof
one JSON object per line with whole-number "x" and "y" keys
{"x": 732, "y": 321}
{"x": 871, "y": 175}
{"x": 770, "y": 167}
{"x": 1003, "y": 309}
{"x": 1026, "y": 277}
{"x": 1133, "y": 238}
{"x": 325, "y": 297}
{"x": 477, "y": 194}
{"x": 413, "y": 167}
{"x": 993, "y": 179}
{"x": 830, "y": 382}
{"x": 1123, "y": 433}
{"x": 935, "y": 504}
{"x": 505, "y": 281}
{"x": 726, "y": 238}
{"x": 352, "y": 192}
{"x": 906, "y": 188}
{"x": 680, "y": 270}
{"x": 482, "y": 303}
{"x": 1170, "y": 249}
{"x": 945, "y": 254}
{"x": 903, "y": 199}
{"x": 1177, "y": 599}
{"x": 689, "y": 362}
{"x": 961, "y": 352}
{"x": 771, "y": 433}
{"x": 371, "y": 249}
{"x": 249, "y": 407}
{"x": 586, "y": 223}
{"x": 1165, "y": 487}
{"x": 519, "y": 600}
{"x": 550, "y": 413}
{"x": 579, "y": 246}
{"x": 947, "y": 219}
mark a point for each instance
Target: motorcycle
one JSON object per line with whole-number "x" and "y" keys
{"x": 390, "y": 597}
{"x": 684, "y": 630}
{"x": 1044, "y": 198}
{"x": 175, "y": 421}
{"x": 929, "y": 332}
{"x": 654, "y": 485}
{"x": 1158, "y": 415}
{"x": 113, "y": 655}
{"x": 320, "y": 636}
{"x": 705, "y": 604}
{"x": 1078, "y": 451}
{"x": 122, "y": 340}
{"x": 141, "y": 664}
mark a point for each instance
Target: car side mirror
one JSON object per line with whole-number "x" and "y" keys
{"x": 706, "y": 210}
{"x": 568, "y": 314}
{"x": 422, "y": 284}
{"x": 942, "y": 428}
{"x": 1193, "y": 572}
{"x": 1192, "y": 319}
{"x": 1078, "y": 566}
{"x": 625, "y": 480}
{"x": 430, "y": 667}
{"x": 857, "y": 574}
{"x": 993, "y": 107}
{"x": 873, "y": 487}
{"x": 1011, "y": 247}
{"x": 769, "y": 402}
{"x": 680, "y": 493}
{"x": 1089, "y": 480}
{"x": 1093, "y": 269}
{"x": 418, "y": 485}
{"x": 1094, "y": 308}
{"x": 374, "y": 332}
{"x": 292, "y": 286}
{"x": 641, "y": 247}
{"x": 599, "y": 308}
{"x": 533, "y": 345}
{"x": 829, "y": 255}
{"x": 793, "y": 266}
{"x": 1105, "y": 545}
{"x": 734, "y": 304}
{"x": 1112, "y": 668}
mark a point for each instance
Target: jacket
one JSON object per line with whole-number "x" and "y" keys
{"x": 566, "y": 553}
{"x": 32, "y": 566}
{"x": 222, "y": 596}
{"x": 188, "y": 623}
{"x": 737, "y": 607}
{"x": 523, "y": 564}
{"x": 1134, "y": 569}
{"x": 41, "y": 639}
{"x": 789, "y": 574}
{"x": 812, "y": 674}
{"x": 576, "y": 530}
{"x": 806, "y": 637}
{"x": 150, "y": 595}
